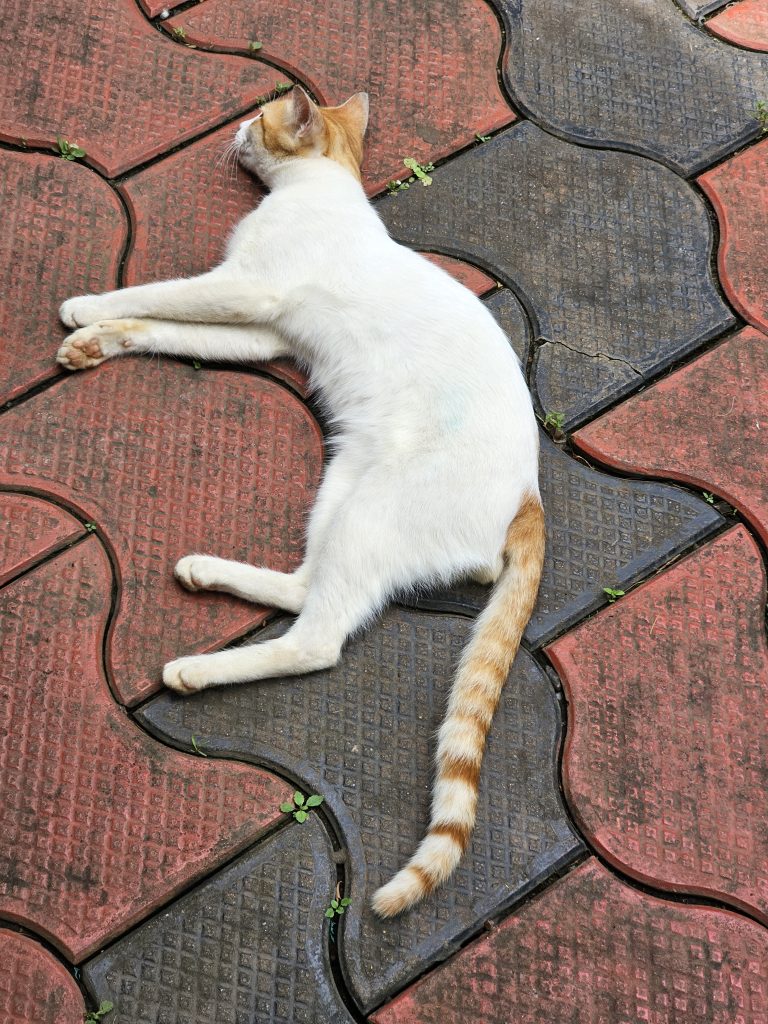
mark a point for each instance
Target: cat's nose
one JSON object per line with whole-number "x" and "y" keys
{"x": 242, "y": 132}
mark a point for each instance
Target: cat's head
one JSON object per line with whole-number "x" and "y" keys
{"x": 293, "y": 128}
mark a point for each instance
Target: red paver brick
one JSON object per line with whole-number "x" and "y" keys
{"x": 184, "y": 208}
{"x": 471, "y": 277}
{"x": 591, "y": 950}
{"x": 99, "y": 824}
{"x": 739, "y": 192}
{"x": 167, "y": 460}
{"x": 155, "y": 7}
{"x": 33, "y": 528}
{"x": 704, "y": 425}
{"x": 667, "y": 746}
{"x": 63, "y": 233}
{"x": 101, "y": 76}
{"x": 429, "y": 68}
{"x": 34, "y": 987}
{"x": 744, "y": 23}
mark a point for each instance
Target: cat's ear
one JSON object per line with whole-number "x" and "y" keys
{"x": 356, "y": 110}
{"x": 304, "y": 115}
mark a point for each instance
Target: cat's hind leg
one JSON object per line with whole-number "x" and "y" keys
{"x": 262, "y": 586}
{"x": 265, "y": 586}
{"x": 350, "y": 581}
{"x": 89, "y": 346}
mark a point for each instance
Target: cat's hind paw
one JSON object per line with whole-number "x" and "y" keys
{"x": 89, "y": 346}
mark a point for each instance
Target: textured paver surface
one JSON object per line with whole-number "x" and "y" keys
{"x": 253, "y": 937}
{"x": 111, "y": 83}
{"x": 448, "y": 94}
{"x": 635, "y": 75}
{"x": 690, "y": 660}
{"x": 592, "y": 949}
{"x": 34, "y": 528}
{"x": 167, "y": 460}
{"x": 372, "y": 761}
{"x": 600, "y": 184}
{"x": 738, "y": 189}
{"x": 744, "y": 23}
{"x": 666, "y": 430}
{"x": 34, "y": 986}
{"x": 64, "y": 233}
{"x": 99, "y": 824}
{"x": 618, "y": 288}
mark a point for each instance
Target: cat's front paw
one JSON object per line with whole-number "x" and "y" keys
{"x": 194, "y": 572}
{"x": 188, "y": 675}
{"x": 90, "y": 346}
{"x": 83, "y": 310}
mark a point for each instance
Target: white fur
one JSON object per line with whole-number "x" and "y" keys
{"x": 434, "y": 436}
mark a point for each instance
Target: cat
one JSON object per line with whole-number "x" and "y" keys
{"x": 434, "y": 474}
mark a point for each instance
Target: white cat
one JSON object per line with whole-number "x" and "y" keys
{"x": 434, "y": 475}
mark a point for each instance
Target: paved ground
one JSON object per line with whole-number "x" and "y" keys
{"x": 602, "y": 183}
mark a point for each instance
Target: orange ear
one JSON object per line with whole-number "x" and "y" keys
{"x": 304, "y": 115}
{"x": 356, "y": 111}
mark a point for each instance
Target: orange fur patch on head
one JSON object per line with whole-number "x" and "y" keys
{"x": 294, "y": 126}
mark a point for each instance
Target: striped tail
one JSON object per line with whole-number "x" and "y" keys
{"x": 474, "y": 698}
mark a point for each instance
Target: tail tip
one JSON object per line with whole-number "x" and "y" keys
{"x": 400, "y": 893}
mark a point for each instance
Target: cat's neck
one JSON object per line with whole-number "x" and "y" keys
{"x": 319, "y": 173}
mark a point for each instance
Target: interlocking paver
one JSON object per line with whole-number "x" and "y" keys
{"x": 98, "y": 823}
{"x": 703, "y": 425}
{"x": 191, "y": 201}
{"x": 33, "y": 528}
{"x": 34, "y": 987}
{"x": 665, "y": 764}
{"x": 156, "y": 7}
{"x": 618, "y": 277}
{"x": 168, "y": 460}
{"x": 636, "y": 75}
{"x": 739, "y": 192}
{"x": 471, "y": 277}
{"x": 430, "y": 68}
{"x": 602, "y": 531}
{"x": 247, "y": 945}
{"x": 700, "y": 8}
{"x": 362, "y": 735}
{"x": 744, "y": 23}
{"x": 63, "y": 233}
{"x": 591, "y": 950}
{"x": 101, "y": 76}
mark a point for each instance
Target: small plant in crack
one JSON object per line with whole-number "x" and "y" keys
{"x": 482, "y": 138}
{"x": 90, "y": 527}
{"x": 612, "y": 595}
{"x": 337, "y": 908}
{"x": 179, "y": 33}
{"x": 282, "y": 87}
{"x": 708, "y": 497}
{"x": 300, "y": 806}
{"x": 198, "y": 750}
{"x": 95, "y": 1016}
{"x": 396, "y": 185}
{"x": 761, "y": 115}
{"x": 554, "y": 423}
{"x": 254, "y": 45}
{"x": 69, "y": 150}
{"x": 420, "y": 171}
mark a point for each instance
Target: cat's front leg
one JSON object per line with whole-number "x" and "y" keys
{"x": 89, "y": 346}
{"x": 213, "y": 298}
